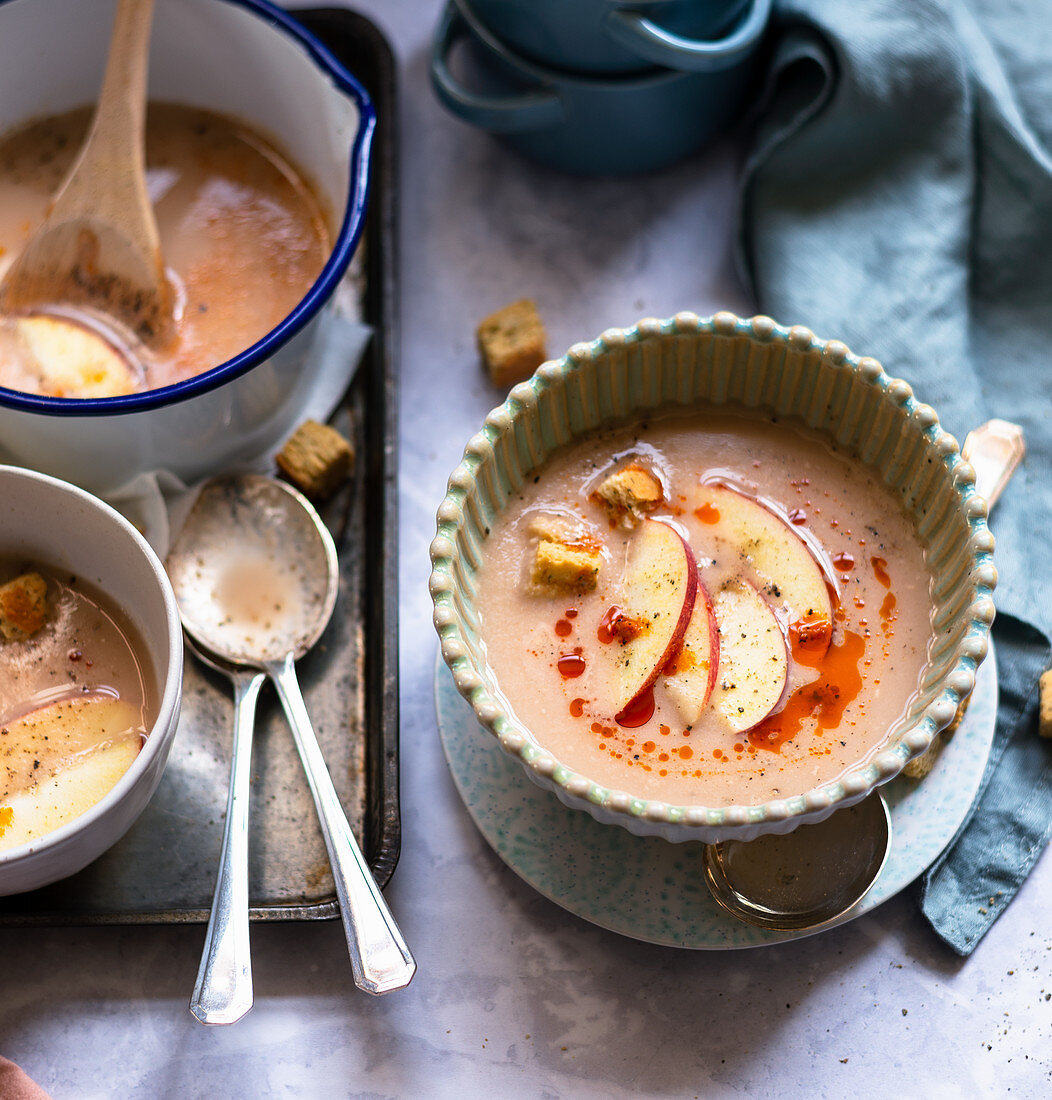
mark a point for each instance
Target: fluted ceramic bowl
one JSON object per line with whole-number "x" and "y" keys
{"x": 684, "y": 363}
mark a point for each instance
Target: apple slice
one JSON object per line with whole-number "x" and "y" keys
{"x": 691, "y": 683}
{"x": 657, "y": 599}
{"x": 85, "y": 745}
{"x": 788, "y": 569}
{"x": 754, "y": 658}
{"x": 64, "y": 358}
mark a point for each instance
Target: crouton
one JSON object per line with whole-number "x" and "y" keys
{"x": 23, "y": 606}
{"x": 1044, "y": 722}
{"x": 316, "y": 459}
{"x": 628, "y": 494}
{"x": 512, "y": 343}
{"x": 558, "y": 568}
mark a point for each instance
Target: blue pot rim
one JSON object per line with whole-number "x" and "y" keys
{"x": 343, "y": 249}
{"x": 551, "y": 77}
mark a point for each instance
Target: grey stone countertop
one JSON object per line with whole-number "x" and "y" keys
{"x": 514, "y": 996}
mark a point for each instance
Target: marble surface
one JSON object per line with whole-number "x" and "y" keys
{"x": 515, "y": 997}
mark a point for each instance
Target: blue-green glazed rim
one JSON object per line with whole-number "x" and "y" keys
{"x": 687, "y": 362}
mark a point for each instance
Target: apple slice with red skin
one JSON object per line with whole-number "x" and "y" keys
{"x": 789, "y": 570}
{"x": 657, "y": 599}
{"x": 753, "y": 675}
{"x": 691, "y": 681}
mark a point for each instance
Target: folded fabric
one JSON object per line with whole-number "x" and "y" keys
{"x": 897, "y": 195}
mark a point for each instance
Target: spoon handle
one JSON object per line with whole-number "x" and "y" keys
{"x": 380, "y": 959}
{"x": 223, "y": 993}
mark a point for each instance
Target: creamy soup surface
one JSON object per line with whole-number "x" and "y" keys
{"x": 242, "y": 233}
{"x": 76, "y": 699}
{"x": 561, "y": 660}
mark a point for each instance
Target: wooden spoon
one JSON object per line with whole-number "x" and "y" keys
{"x": 99, "y": 246}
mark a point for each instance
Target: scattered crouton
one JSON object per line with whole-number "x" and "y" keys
{"x": 628, "y": 494}
{"x": 512, "y": 343}
{"x": 316, "y": 459}
{"x": 1044, "y": 724}
{"x": 558, "y": 568}
{"x": 23, "y": 606}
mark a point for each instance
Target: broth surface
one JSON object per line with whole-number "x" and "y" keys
{"x": 76, "y": 703}
{"x": 555, "y": 670}
{"x": 242, "y": 233}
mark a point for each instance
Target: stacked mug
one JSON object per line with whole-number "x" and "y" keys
{"x": 598, "y": 87}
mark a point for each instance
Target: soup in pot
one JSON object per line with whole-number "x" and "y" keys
{"x": 242, "y": 233}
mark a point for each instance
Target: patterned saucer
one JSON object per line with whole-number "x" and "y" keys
{"x": 651, "y": 890}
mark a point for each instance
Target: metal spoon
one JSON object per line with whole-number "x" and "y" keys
{"x": 223, "y": 990}
{"x": 814, "y": 875}
{"x": 257, "y": 575}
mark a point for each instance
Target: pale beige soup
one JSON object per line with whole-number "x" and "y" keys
{"x": 76, "y": 703}
{"x": 242, "y": 233}
{"x": 834, "y": 716}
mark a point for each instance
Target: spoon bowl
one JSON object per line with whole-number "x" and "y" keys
{"x": 804, "y": 879}
{"x": 257, "y": 573}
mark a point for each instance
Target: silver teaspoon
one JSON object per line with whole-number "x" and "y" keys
{"x": 816, "y": 874}
{"x": 223, "y": 990}
{"x": 257, "y": 577}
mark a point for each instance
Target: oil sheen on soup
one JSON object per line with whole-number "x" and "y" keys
{"x": 76, "y": 699}
{"x": 706, "y": 610}
{"x": 242, "y": 233}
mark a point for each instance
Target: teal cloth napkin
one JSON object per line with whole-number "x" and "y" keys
{"x": 897, "y": 195}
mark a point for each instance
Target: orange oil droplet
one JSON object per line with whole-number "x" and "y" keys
{"x": 708, "y": 513}
{"x": 888, "y": 612}
{"x": 564, "y": 628}
{"x": 823, "y": 700}
{"x": 570, "y": 613}
{"x": 880, "y": 571}
{"x": 576, "y": 708}
{"x": 798, "y": 516}
{"x": 843, "y": 562}
{"x": 810, "y": 639}
{"x": 638, "y": 712}
{"x": 571, "y": 665}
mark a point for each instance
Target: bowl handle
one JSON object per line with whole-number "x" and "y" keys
{"x": 513, "y": 113}
{"x": 635, "y": 32}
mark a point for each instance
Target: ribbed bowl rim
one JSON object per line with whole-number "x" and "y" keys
{"x": 476, "y": 683}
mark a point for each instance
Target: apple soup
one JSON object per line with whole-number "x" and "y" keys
{"x": 706, "y": 610}
{"x": 242, "y": 234}
{"x": 75, "y": 700}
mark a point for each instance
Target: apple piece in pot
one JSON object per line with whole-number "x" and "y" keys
{"x": 786, "y": 566}
{"x": 753, "y": 677}
{"x": 657, "y": 600}
{"x": 63, "y": 357}
{"x": 690, "y": 684}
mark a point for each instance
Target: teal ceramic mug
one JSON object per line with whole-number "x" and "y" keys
{"x": 621, "y": 36}
{"x": 586, "y": 125}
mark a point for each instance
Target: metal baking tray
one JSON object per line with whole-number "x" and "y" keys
{"x": 164, "y": 869}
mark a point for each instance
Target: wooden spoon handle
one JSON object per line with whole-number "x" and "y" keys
{"x": 108, "y": 177}
{"x": 994, "y": 449}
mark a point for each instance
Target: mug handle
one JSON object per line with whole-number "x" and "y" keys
{"x": 644, "y": 37}
{"x": 528, "y": 110}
